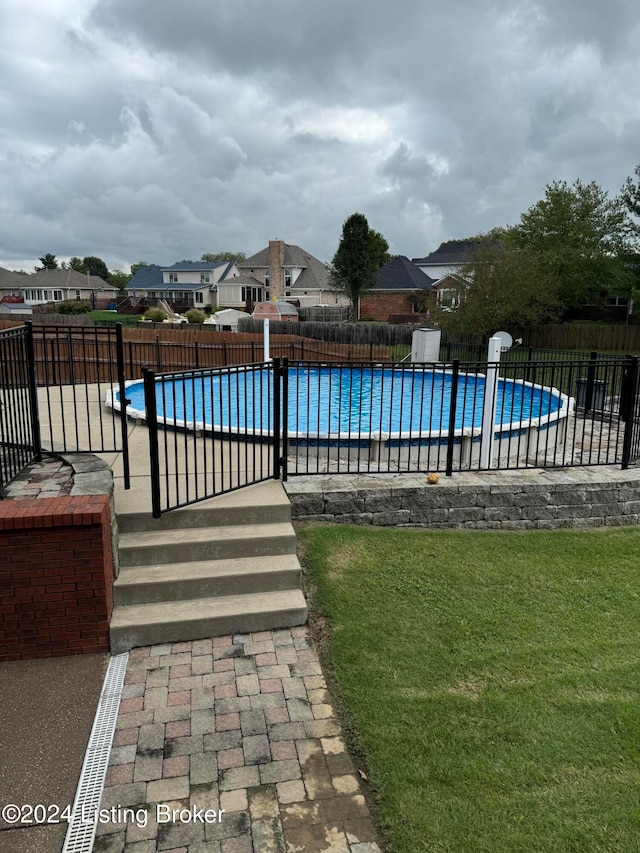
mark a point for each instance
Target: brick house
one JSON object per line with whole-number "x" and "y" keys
{"x": 393, "y": 298}
{"x": 288, "y": 272}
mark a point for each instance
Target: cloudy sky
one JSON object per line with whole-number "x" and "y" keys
{"x": 157, "y": 130}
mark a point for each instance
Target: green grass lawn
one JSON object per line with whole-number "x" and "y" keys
{"x": 113, "y": 317}
{"x": 490, "y": 681}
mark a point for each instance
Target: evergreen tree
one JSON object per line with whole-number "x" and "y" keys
{"x": 360, "y": 255}
{"x": 48, "y": 262}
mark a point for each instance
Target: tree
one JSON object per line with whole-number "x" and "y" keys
{"x": 213, "y": 257}
{"x": 501, "y": 288}
{"x": 75, "y": 264}
{"x": 48, "y": 262}
{"x": 361, "y": 252}
{"x": 630, "y": 194}
{"x": 135, "y": 267}
{"x": 581, "y": 236}
{"x": 119, "y": 279}
{"x": 95, "y": 266}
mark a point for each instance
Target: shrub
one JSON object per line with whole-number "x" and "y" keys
{"x": 193, "y": 315}
{"x": 73, "y": 306}
{"x": 155, "y": 315}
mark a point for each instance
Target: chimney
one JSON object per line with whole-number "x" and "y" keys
{"x": 276, "y": 269}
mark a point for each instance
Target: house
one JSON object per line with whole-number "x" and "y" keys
{"x": 241, "y": 291}
{"x": 449, "y": 290}
{"x": 184, "y": 285}
{"x": 394, "y": 296}
{"x": 451, "y": 257}
{"x": 58, "y": 285}
{"x": 285, "y": 271}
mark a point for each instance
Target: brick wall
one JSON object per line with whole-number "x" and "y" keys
{"x": 380, "y": 306}
{"x": 56, "y": 576}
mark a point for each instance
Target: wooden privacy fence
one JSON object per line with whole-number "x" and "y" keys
{"x": 577, "y": 337}
{"x": 69, "y": 356}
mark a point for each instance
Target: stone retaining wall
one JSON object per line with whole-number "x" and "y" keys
{"x": 509, "y": 500}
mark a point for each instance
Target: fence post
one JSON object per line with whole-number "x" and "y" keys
{"x": 285, "y": 419}
{"x": 152, "y": 424}
{"x": 33, "y": 391}
{"x": 123, "y": 406}
{"x": 591, "y": 378}
{"x": 489, "y": 403}
{"x": 276, "y": 416}
{"x": 628, "y": 402}
{"x": 452, "y": 417}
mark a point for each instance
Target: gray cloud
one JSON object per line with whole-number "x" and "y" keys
{"x": 137, "y": 130}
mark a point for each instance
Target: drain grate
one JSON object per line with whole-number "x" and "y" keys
{"x": 83, "y": 823}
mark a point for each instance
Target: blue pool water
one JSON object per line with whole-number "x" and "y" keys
{"x": 331, "y": 402}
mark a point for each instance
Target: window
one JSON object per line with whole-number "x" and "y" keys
{"x": 617, "y": 301}
{"x": 152, "y": 294}
{"x": 250, "y": 294}
{"x": 199, "y": 298}
{"x": 173, "y": 278}
{"x": 78, "y": 295}
{"x": 287, "y": 293}
{"x": 204, "y": 278}
{"x": 266, "y": 278}
{"x": 57, "y": 295}
{"x": 287, "y": 278}
{"x": 448, "y": 298}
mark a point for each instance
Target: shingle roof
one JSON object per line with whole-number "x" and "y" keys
{"x": 10, "y": 279}
{"x": 455, "y": 252}
{"x": 244, "y": 279}
{"x": 188, "y": 266}
{"x": 65, "y": 278}
{"x": 146, "y": 278}
{"x": 314, "y": 275}
{"x": 400, "y": 274}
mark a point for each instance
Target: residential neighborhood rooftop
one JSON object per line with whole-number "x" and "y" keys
{"x": 455, "y": 252}
{"x": 401, "y": 274}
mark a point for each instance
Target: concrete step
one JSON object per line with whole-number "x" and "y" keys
{"x": 208, "y": 578}
{"x": 145, "y": 548}
{"x": 259, "y": 504}
{"x": 149, "y": 624}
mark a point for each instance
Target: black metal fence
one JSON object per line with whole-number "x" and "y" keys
{"x": 222, "y": 430}
{"x": 229, "y": 427}
{"x": 446, "y": 417}
{"x": 64, "y": 374}
{"x": 19, "y": 426}
{"x": 266, "y": 420}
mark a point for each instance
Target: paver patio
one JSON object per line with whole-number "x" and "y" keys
{"x": 241, "y": 724}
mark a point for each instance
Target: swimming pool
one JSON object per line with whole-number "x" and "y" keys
{"x": 344, "y": 403}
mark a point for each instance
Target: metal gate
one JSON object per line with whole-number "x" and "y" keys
{"x": 19, "y": 427}
{"x": 74, "y": 368}
{"x": 214, "y": 431}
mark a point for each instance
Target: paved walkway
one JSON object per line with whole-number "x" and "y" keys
{"x": 242, "y": 724}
